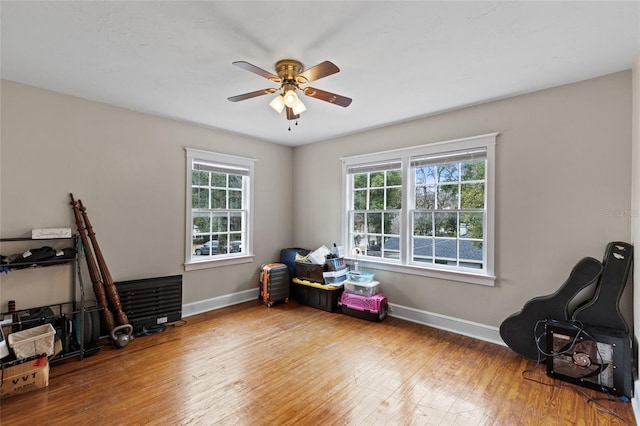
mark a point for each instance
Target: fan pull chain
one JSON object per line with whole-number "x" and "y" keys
{"x": 290, "y": 124}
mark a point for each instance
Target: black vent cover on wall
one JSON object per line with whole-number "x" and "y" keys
{"x": 151, "y": 302}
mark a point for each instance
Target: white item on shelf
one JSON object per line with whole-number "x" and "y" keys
{"x": 47, "y": 233}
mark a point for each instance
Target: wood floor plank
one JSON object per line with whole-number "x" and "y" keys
{"x": 296, "y": 365}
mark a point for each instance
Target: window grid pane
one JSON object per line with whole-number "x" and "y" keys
{"x": 217, "y": 211}
{"x": 449, "y": 216}
{"x": 375, "y": 213}
{"x": 464, "y": 250}
{"x": 454, "y": 216}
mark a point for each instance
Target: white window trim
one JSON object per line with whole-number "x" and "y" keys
{"x": 487, "y": 141}
{"x": 190, "y": 264}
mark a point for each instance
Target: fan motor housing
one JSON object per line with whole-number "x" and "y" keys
{"x": 288, "y": 69}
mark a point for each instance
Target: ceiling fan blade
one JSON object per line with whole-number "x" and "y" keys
{"x": 257, "y": 70}
{"x": 251, "y": 95}
{"x": 319, "y": 71}
{"x": 332, "y": 98}
{"x": 291, "y": 115}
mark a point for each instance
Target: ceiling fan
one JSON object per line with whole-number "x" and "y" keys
{"x": 290, "y": 77}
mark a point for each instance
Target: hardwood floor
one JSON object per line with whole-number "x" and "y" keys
{"x": 296, "y": 365}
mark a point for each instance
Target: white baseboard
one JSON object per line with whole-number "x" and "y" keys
{"x": 443, "y": 322}
{"x": 223, "y": 301}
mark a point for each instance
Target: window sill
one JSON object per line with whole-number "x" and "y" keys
{"x": 215, "y": 263}
{"x": 460, "y": 276}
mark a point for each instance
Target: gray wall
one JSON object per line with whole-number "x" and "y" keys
{"x": 563, "y": 191}
{"x": 129, "y": 170}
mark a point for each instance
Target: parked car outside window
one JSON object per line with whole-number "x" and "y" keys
{"x": 235, "y": 246}
{"x": 210, "y": 247}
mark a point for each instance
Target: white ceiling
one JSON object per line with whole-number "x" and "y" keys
{"x": 399, "y": 59}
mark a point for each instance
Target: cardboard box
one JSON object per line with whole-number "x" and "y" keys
{"x": 24, "y": 377}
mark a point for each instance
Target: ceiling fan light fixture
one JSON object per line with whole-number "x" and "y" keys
{"x": 290, "y": 75}
{"x": 298, "y": 107}
{"x": 277, "y": 103}
{"x": 290, "y": 98}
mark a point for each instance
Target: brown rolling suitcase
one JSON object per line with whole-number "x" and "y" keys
{"x": 274, "y": 283}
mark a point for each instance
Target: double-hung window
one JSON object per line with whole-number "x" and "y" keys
{"x": 218, "y": 208}
{"x": 448, "y": 214}
{"x": 426, "y": 210}
{"x": 376, "y": 208}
